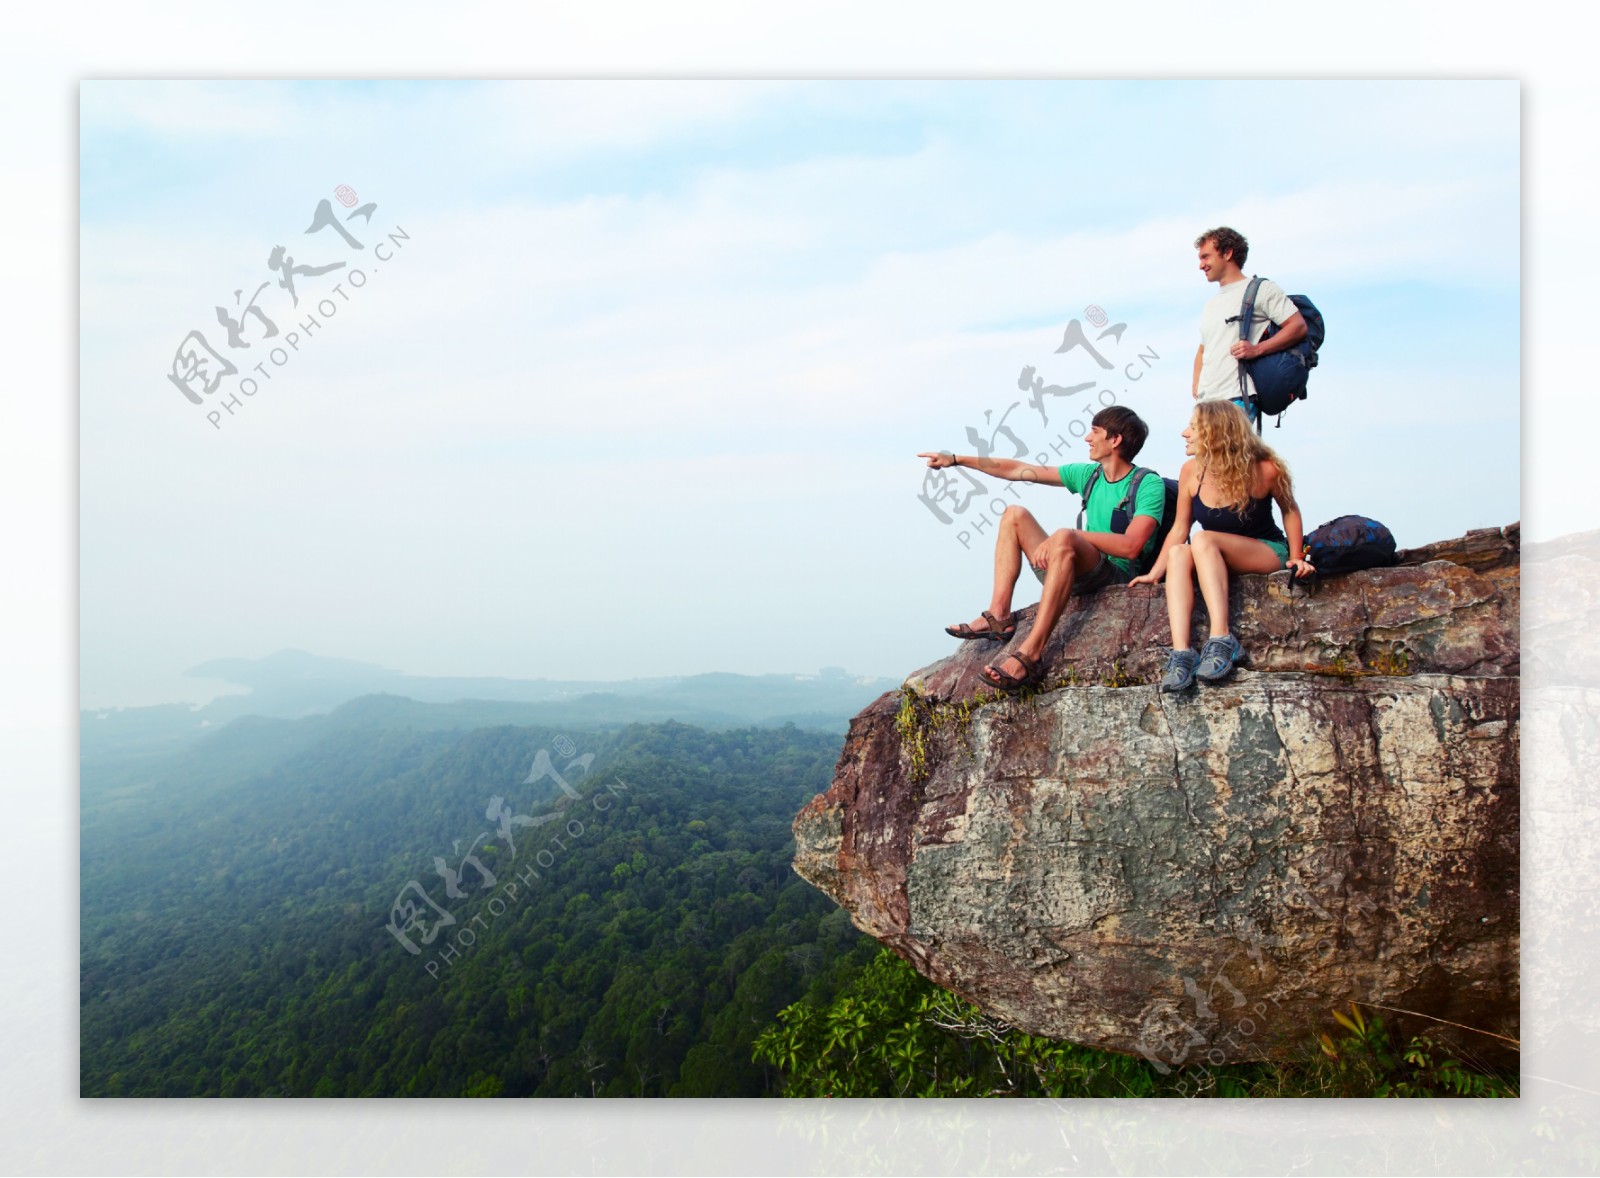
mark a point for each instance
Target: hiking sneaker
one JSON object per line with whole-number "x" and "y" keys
{"x": 1179, "y": 674}
{"x": 1217, "y": 657}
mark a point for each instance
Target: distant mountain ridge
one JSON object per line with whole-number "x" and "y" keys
{"x": 295, "y": 683}
{"x": 296, "y": 679}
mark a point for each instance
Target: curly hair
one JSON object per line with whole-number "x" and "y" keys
{"x": 1225, "y": 240}
{"x": 1228, "y": 451}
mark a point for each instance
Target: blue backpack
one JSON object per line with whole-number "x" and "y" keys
{"x": 1349, "y": 543}
{"x": 1123, "y": 514}
{"x": 1280, "y": 377}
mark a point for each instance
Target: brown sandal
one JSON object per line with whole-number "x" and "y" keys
{"x": 995, "y": 631}
{"x": 1032, "y": 672}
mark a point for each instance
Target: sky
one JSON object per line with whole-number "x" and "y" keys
{"x": 620, "y": 378}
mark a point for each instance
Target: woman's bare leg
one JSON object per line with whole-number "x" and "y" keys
{"x": 1180, "y": 594}
{"x": 1215, "y": 555}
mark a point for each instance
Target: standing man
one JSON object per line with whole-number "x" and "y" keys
{"x": 1223, "y": 253}
{"x": 1110, "y": 550}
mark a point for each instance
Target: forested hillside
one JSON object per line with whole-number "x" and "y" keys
{"x": 245, "y": 912}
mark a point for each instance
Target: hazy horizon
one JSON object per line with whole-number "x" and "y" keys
{"x": 198, "y": 690}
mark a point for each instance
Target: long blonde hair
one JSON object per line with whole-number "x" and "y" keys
{"x": 1228, "y": 450}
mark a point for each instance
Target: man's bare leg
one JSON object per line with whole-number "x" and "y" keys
{"x": 1018, "y": 536}
{"x": 1067, "y": 555}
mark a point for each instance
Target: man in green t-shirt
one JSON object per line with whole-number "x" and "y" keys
{"x": 1106, "y": 551}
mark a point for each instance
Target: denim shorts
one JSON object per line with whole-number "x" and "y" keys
{"x": 1107, "y": 572}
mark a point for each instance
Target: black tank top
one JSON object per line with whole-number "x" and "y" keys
{"x": 1256, "y": 522}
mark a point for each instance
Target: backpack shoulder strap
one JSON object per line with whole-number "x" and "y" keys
{"x": 1247, "y": 313}
{"x": 1130, "y": 504}
{"x": 1131, "y": 499}
{"x": 1088, "y": 486}
{"x": 1247, "y": 308}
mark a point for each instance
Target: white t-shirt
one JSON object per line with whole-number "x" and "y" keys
{"x": 1219, "y": 371}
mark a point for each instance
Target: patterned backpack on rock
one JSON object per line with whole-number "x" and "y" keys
{"x": 1349, "y": 543}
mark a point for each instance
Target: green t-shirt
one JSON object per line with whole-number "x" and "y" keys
{"x": 1107, "y": 497}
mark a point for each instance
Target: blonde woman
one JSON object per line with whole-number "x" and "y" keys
{"x": 1227, "y": 486}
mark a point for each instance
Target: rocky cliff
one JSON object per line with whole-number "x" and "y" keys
{"x": 1202, "y": 878}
